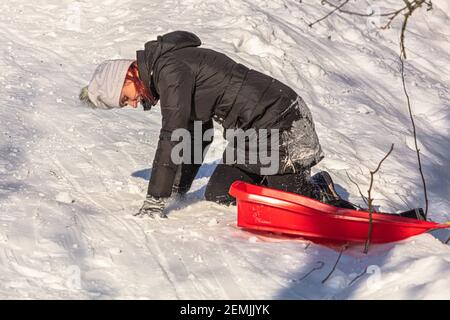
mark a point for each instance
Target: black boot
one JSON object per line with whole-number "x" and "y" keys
{"x": 414, "y": 214}
{"x": 327, "y": 191}
{"x": 325, "y": 185}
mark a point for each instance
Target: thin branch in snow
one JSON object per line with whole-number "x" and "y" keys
{"x": 358, "y": 277}
{"x": 357, "y": 186}
{"x": 343, "y": 248}
{"x": 410, "y": 6}
{"x": 392, "y": 14}
{"x": 307, "y": 246}
{"x": 320, "y": 266}
{"x": 329, "y": 14}
{"x": 353, "y": 13}
{"x": 408, "y": 10}
{"x": 370, "y": 199}
{"x": 414, "y": 134}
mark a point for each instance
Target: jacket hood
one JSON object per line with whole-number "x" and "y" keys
{"x": 154, "y": 49}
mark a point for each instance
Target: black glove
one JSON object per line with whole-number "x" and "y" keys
{"x": 152, "y": 206}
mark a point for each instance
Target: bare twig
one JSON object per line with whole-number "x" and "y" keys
{"x": 357, "y": 186}
{"x": 320, "y": 263}
{"x": 414, "y": 135}
{"x": 409, "y": 7}
{"x": 370, "y": 199}
{"x": 358, "y": 277}
{"x": 407, "y": 10}
{"x": 329, "y": 14}
{"x": 392, "y": 16}
{"x": 412, "y": 6}
{"x": 343, "y": 248}
{"x": 339, "y": 8}
{"x": 402, "y": 35}
{"x": 371, "y": 14}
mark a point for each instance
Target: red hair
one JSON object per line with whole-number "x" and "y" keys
{"x": 133, "y": 76}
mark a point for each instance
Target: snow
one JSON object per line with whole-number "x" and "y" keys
{"x": 71, "y": 177}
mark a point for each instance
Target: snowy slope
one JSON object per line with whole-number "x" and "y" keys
{"x": 71, "y": 177}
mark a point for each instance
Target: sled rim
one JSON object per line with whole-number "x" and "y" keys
{"x": 243, "y": 191}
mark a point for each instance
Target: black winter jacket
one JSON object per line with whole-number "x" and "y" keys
{"x": 195, "y": 83}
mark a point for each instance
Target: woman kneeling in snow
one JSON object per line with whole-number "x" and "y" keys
{"x": 197, "y": 85}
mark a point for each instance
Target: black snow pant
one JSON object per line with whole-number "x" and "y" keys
{"x": 224, "y": 176}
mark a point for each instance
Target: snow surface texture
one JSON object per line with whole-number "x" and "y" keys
{"x": 71, "y": 177}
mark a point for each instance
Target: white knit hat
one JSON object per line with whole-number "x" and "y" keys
{"x": 107, "y": 82}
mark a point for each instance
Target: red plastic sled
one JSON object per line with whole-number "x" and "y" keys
{"x": 266, "y": 209}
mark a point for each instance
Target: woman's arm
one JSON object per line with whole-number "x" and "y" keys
{"x": 175, "y": 84}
